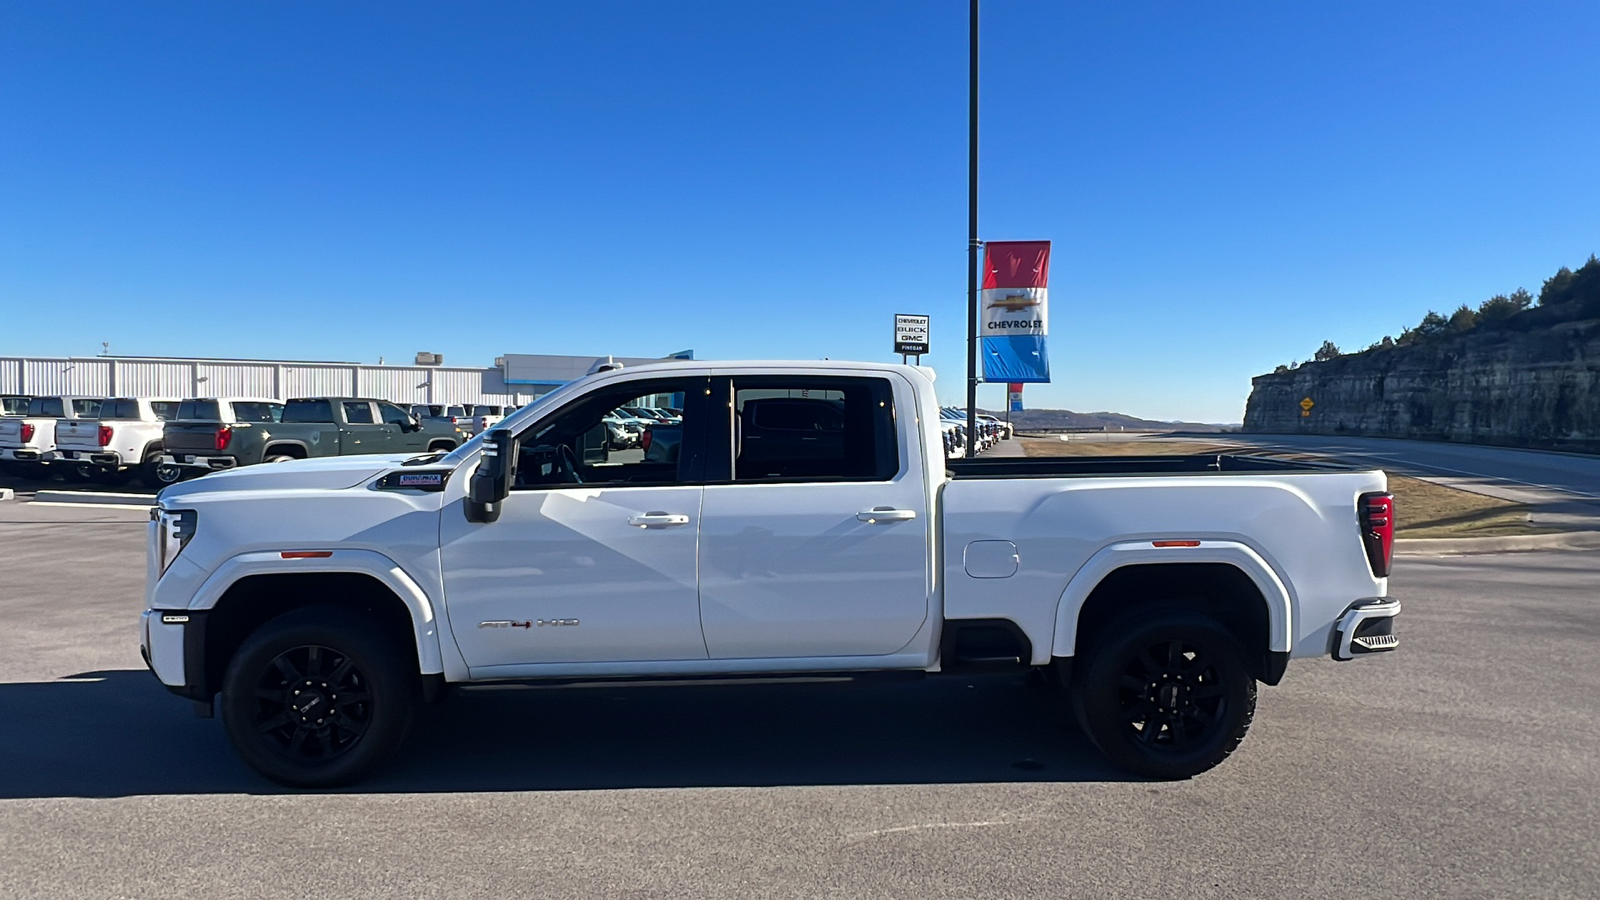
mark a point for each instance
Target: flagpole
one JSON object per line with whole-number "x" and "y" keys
{"x": 972, "y": 235}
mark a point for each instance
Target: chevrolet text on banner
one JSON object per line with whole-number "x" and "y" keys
{"x": 1015, "y": 306}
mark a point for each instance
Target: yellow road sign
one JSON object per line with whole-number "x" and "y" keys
{"x": 1306, "y": 404}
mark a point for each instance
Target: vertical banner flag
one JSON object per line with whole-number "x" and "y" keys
{"x": 1014, "y": 309}
{"x": 1014, "y": 396}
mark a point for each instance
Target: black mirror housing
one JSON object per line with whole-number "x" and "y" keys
{"x": 491, "y": 481}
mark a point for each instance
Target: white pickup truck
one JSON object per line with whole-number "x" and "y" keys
{"x": 30, "y": 440}
{"x": 123, "y": 441}
{"x": 804, "y": 520}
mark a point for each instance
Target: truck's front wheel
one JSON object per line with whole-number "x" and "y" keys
{"x": 317, "y": 698}
{"x": 1167, "y": 696}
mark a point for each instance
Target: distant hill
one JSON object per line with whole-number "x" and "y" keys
{"x": 1053, "y": 419}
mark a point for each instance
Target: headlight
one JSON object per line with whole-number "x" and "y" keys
{"x": 174, "y": 528}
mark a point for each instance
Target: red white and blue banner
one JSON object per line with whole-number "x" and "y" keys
{"x": 1014, "y": 306}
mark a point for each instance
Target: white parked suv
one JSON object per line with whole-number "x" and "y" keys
{"x": 801, "y": 520}
{"x": 122, "y": 442}
{"x": 30, "y": 440}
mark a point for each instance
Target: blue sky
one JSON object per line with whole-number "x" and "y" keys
{"x": 1226, "y": 185}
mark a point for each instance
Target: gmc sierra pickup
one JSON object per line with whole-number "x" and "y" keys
{"x": 805, "y": 521}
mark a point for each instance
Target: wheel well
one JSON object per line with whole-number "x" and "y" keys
{"x": 294, "y": 450}
{"x": 1218, "y": 590}
{"x": 255, "y": 599}
{"x": 445, "y": 444}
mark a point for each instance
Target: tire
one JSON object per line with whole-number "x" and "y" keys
{"x": 165, "y": 474}
{"x": 149, "y": 470}
{"x": 316, "y": 654}
{"x": 279, "y": 458}
{"x": 1179, "y": 673}
{"x": 441, "y": 447}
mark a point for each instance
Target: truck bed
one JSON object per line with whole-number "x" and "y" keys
{"x": 1069, "y": 466}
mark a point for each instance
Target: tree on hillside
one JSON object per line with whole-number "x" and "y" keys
{"x": 1327, "y": 351}
{"x": 1463, "y": 320}
{"x": 1578, "y": 291}
{"x": 1432, "y": 325}
{"x": 1501, "y": 307}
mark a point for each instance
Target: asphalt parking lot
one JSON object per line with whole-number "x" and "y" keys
{"x": 1463, "y": 765}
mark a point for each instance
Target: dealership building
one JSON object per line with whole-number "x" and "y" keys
{"x": 515, "y": 379}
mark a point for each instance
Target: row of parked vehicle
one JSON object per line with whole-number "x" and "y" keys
{"x": 953, "y": 424}
{"x": 162, "y": 441}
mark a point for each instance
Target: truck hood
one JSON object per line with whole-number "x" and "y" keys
{"x": 326, "y": 474}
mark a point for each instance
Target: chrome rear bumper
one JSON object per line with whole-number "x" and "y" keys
{"x": 1366, "y": 627}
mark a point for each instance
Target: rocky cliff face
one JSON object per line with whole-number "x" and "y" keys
{"x": 1513, "y": 388}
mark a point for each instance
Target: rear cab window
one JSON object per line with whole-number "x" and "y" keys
{"x": 308, "y": 411}
{"x": 257, "y": 411}
{"x": 823, "y": 428}
{"x": 200, "y": 411}
{"x": 46, "y": 408}
{"x": 119, "y": 409}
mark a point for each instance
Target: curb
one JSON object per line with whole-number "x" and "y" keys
{"x": 1566, "y": 540}
{"x": 98, "y": 498}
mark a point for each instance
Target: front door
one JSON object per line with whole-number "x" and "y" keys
{"x": 399, "y": 435}
{"x": 593, "y": 557}
{"x": 819, "y": 544}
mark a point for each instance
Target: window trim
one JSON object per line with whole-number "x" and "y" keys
{"x": 692, "y": 455}
{"x": 724, "y": 444}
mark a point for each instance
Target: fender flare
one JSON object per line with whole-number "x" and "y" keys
{"x": 1280, "y": 602}
{"x": 271, "y": 442}
{"x": 424, "y": 624}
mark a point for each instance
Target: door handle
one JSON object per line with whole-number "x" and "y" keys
{"x": 658, "y": 519}
{"x": 886, "y": 514}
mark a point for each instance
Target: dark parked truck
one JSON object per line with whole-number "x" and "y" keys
{"x": 213, "y": 434}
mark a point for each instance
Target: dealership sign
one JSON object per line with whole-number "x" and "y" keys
{"x": 911, "y": 335}
{"x": 1015, "y": 311}
{"x": 1014, "y": 396}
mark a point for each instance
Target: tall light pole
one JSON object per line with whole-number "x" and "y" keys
{"x": 972, "y": 235}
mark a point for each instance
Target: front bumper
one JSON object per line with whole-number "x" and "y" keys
{"x": 191, "y": 460}
{"x": 172, "y": 642}
{"x": 1366, "y": 627}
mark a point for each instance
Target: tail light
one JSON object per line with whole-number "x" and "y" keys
{"x": 105, "y": 435}
{"x": 1376, "y": 512}
{"x": 224, "y": 437}
{"x": 645, "y": 439}
{"x": 27, "y": 432}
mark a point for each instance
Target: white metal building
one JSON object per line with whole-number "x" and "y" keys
{"x": 516, "y": 378}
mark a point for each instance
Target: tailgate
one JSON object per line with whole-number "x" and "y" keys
{"x": 190, "y": 437}
{"x": 78, "y": 434}
{"x": 11, "y": 432}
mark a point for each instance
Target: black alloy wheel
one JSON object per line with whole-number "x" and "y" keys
{"x": 1165, "y": 695}
{"x": 319, "y": 697}
{"x": 1171, "y": 693}
{"x": 313, "y": 702}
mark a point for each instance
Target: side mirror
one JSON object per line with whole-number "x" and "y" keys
{"x": 491, "y": 481}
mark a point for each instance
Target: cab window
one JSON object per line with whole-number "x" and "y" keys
{"x": 814, "y": 429}
{"x": 592, "y": 441}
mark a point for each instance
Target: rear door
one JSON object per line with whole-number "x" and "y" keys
{"x": 360, "y": 431}
{"x": 816, "y": 543}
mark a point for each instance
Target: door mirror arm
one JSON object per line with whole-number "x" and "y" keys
{"x": 491, "y": 481}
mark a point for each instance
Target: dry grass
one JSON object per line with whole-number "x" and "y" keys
{"x": 1423, "y": 509}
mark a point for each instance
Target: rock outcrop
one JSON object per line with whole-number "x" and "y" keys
{"x": 1515, "y": 387}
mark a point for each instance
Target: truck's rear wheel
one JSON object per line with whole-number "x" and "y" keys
{"x": 316, "y": 698}
{"x": 1167, "y": 696}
